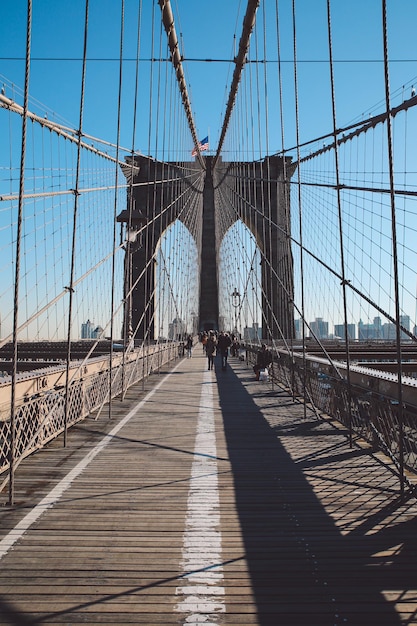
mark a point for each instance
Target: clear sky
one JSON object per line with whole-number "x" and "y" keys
{"x": 209, "y": 34}
{"x": 210, "y": 30}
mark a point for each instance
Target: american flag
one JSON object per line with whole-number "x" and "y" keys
{"x": 203, "y": 145}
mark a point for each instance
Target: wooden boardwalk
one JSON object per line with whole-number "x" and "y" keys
{"x": 208, "y": 498}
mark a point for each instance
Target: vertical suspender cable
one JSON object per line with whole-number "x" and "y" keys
{"x": 147, "y": 294}
{"x": 150, "y": 255}
{"x": 394, "y": 247}
{"x": 339, "y": 210}
{"x": 127, "y": 288}
{"x": 74, "y": 230}
{"x": 163, "y": 220}
{"x": 150, "y": 125}
{"x": 266, "y": 283}
{"x": 265, "y": 262}
{"x": 285, "y": 187}
{"x": 116, "y": 185}
{"x": 300, "y": 213}
{"x": 274, "y": 302}
{"x": 18, "y": 254}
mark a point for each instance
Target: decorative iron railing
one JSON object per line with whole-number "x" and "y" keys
{"x": 373, "y": 416}
{"x": 41, "y": 414}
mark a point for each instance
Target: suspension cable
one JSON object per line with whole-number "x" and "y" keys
{"x": 116, "y": 177}
{"x": 300, "y": 212}
{"x": 248, "y": 25}
{"x": 339, "y": 211}
{"x": 168, "y": 21}
{"x": 74, "y": 227}
{"x": 18, "y": 253}
{"x": 394, "y": 245}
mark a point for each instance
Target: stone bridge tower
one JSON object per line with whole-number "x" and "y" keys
{"x": 154, "y": 185}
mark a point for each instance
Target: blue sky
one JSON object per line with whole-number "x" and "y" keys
{"x": 207, "y": 30}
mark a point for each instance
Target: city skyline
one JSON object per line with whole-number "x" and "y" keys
{"x": 360, "y": 330}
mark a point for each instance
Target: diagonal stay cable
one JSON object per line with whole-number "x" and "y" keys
{"x": 248, "y": 25}
{"x": 168, "y": 22}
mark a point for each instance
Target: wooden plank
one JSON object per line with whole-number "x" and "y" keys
{"x": 311, "y": 531}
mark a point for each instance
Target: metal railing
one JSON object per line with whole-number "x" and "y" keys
{"x": 40, "y": 411}
{"x": 371, "y": 415}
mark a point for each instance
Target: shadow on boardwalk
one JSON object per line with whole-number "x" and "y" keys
{"x": 312, "y": 530}
{"x": 326, "y": 540}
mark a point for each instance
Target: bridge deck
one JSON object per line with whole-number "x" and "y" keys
{"x": 212, "y": 502}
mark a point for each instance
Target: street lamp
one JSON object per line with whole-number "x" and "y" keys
{"x": 134, "y": 220}
{"x": 236, "y": 303}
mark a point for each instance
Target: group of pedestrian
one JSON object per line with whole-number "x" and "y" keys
{"x": 216, "y": 343}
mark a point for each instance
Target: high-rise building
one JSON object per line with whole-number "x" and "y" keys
{"x": 370, "y": 331}
{"x": 87, "y": 330}
{"x": 405, "y": 323}
{"x": 252, "y": 333}
{"x": 298, "y": 328}
{"x": 91, "y": 331}
{"x": 176, "y": 329}
{"x": 320, "y": 328}
{"x": 339, "y": 331}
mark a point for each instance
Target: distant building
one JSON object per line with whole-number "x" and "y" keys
{"x": 386, "y": 332}
{"x": 320, "y": 328}
{"x": 91, "y": 331}
{"x": 366, "y": 332}
{"x": 339, "y": 331}
{"x": 87, "y": 330}
{"x": 405, "y": 323}
{"x": 176, "y": 330}
{"x": 389, "y": 331}
{"x": 252, "y": 333}
{"x": 98, "y": 333}
{"x": 298, "y": 328}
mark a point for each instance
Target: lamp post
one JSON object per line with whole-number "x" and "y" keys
{"x": 236, "y": 303}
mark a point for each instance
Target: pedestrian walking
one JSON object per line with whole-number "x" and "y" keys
{"x": 211, "y": 345}
{"x": 189, "y": 346}
{"x": 224, "y": 343}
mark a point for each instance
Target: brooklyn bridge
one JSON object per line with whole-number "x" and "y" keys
{"x": 267, "y": 194}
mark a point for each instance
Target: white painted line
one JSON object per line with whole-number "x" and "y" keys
{"x": 201, "y": 598}
{"x": 55, "y": 494}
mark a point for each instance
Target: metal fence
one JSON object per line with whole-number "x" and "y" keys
{"x": 43, "y": 415}
{"x": 374, "y": 417}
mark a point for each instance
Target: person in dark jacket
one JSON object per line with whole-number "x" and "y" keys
{"x": 211, "y": 344}
{"x": 263, "y": 360}
{"x": 224, "y": 342}
{"x": 189, "y": 346}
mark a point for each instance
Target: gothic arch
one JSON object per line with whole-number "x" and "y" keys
{"x": 220, "y": 198}
{"x": 257, "y": 194}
